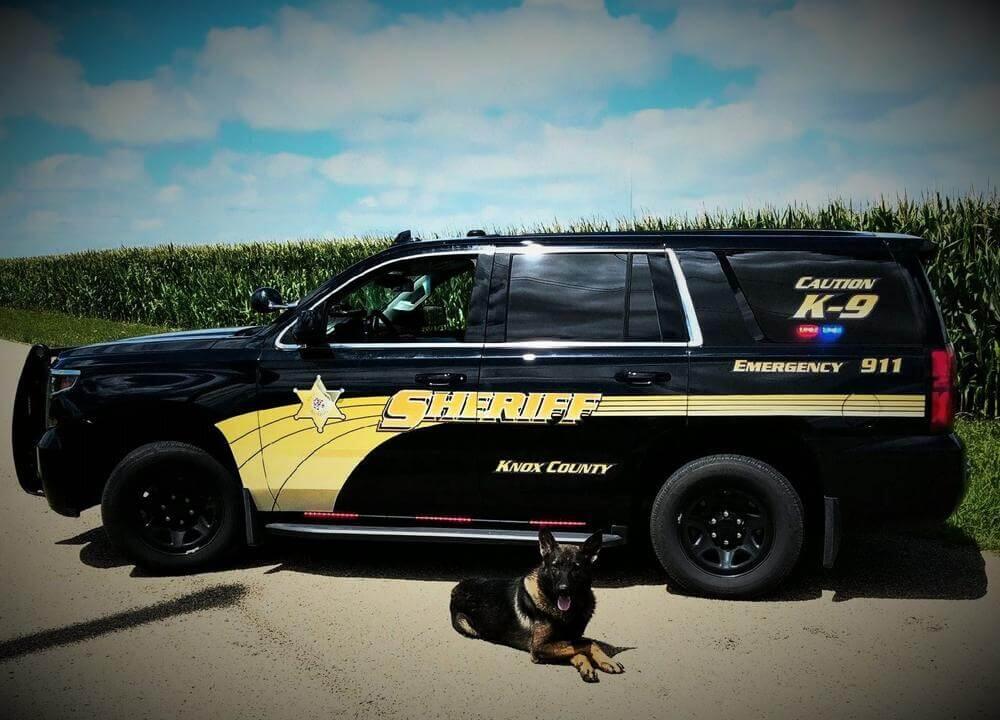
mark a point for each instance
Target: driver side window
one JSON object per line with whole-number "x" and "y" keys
{"x": 420, "y": 300}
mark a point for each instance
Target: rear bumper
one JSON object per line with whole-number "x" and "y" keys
{"x": 910, "y": 480}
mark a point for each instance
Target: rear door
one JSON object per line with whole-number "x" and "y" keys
{"x": 584, "y": 370}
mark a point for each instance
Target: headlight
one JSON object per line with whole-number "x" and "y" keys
{"x": 62, "y": 380}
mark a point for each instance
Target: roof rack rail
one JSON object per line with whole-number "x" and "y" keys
{"x": 405, "y": 237}
{"x": 476, "y": 233}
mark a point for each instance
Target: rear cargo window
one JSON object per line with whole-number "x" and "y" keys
{"x": 808, "y": 296}
{"x": 601, "y": 297}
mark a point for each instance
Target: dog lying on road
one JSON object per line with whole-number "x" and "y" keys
{"x": 544, "y": 613}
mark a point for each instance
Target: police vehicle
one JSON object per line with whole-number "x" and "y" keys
{"x": 723, "y": 394}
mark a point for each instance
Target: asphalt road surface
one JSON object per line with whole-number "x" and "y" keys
{"x": 902, "y": 628}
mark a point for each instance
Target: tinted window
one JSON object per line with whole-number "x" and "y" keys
{"x": 643, "y": 323}
{"x": 571, "y": 296}
{"x": 805, "y": 296}
{"x": 594, "y": 296}
{"x": 670, "y": 312}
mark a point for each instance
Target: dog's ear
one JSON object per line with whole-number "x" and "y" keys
{"x": 592, "y": 546}
{"x": 546, "y": 543}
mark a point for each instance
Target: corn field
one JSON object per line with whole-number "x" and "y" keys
{"x": 204, "y": 286}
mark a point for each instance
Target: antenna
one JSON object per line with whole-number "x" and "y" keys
{"x": 631, "y": 153}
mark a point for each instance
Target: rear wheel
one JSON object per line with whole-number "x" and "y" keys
{"x": 727, "y": 526}
{"x": 172, "y": 507}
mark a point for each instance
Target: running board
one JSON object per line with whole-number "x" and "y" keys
{"x": 433, "y": 534}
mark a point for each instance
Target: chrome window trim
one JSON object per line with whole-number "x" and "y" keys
{"x": 527, "y": 248}
{"x": 690, "y": 316}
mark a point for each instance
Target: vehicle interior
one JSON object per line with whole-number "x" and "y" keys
{"x": 422, "y": 300}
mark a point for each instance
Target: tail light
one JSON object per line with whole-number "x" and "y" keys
{"x": 943, "y": 393}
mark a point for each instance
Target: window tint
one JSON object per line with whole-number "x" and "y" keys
{"x": 670, "y": 312}
{"x": 571, "y": 296}
{"x": 411, "y": 300}
{"x": 602, "y": 297}
{"x": 643, "y": 324}
{"x": 806, "y": 296}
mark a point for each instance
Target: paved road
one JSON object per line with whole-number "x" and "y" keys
{"x": 903, "y": 628}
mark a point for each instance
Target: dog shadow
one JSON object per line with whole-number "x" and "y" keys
{"x": 944, "y": 565}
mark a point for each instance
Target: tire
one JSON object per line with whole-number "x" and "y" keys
{"x": 172, "y": 508}
{"x": 748, "y": 505}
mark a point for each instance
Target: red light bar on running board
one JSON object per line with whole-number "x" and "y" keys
{"x": 442, "y": 518}
{"x": 557, "y": 523}
{"x": 316, "y": 515}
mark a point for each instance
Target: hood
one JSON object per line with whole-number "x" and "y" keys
{"x": 162, "y": 342}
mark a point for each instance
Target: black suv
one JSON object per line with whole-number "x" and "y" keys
{"x": 719, "y": 392}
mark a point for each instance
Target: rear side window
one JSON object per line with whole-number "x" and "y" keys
{"x": 808, "y": 296}
{"x": 600, "y": 297}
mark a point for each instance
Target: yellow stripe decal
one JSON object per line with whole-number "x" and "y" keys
{"x": 298, "y": 457}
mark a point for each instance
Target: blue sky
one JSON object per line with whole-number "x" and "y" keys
{"x": 124, "y": 123}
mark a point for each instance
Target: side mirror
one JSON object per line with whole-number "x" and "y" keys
{"x": 310, "y": 327}
{"x": 265, "y": 300}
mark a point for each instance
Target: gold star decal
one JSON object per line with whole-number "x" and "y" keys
{"x": 319, "y": 404}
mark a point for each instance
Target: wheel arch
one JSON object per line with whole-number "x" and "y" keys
{"x": 116, "y": 433}
{"x": 782, "y": 444}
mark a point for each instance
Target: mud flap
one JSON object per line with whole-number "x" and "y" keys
{"x": 250, "y": 520}
{"x": 831, "y": 530}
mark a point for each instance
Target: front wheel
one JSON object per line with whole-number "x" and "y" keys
{"x": 171, "y": 507}
{"x": 727, "y": 526}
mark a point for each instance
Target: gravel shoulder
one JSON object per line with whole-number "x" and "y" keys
{"x": 904, "y": 627}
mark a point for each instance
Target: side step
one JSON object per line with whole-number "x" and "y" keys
{"x": 432, "y": 534}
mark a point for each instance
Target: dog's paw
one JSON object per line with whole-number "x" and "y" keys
{"x": 612, "y": 667}
{"x": 589, "y": 674}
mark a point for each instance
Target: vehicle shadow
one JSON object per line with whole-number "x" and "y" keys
{"x": 942, "y": 564}
{"x": 876, "y": 564}
{"x": 211, "y": 598}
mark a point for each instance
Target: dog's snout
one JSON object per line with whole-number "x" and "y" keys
{"x": 562, "y": 587}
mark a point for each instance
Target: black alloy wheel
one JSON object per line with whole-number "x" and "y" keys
{"x": 725, "y": 531}
{"x": 171, "y": 507}
{"x": 176, "y": 514}
{"x": 727, "y": 526}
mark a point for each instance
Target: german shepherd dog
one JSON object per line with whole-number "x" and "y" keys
{"x": 543, "y": 613}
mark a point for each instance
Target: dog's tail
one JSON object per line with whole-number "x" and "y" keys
{"x": 461, "y": 623}
{"x": 459, "y": 620}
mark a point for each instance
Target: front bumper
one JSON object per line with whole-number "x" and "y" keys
{"x": 911, "y": 480}
{"x": 62, "y": 470}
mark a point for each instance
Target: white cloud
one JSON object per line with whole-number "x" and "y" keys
{"x": 305, "y": 72}
{"x": 497, "y": 119}
{"x": 37, "y": 80}
{"x": 968, "y": 116}
{"x": 333, "y": 68}
{"x": 144, "y": 224}
{"x": 891, "y": 46}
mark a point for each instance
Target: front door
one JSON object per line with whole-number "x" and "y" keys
{"x": 342, "y": 433}
{"x": 584, "y": 374}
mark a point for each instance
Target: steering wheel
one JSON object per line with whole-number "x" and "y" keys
{"x": 378, "y": 315}
{"x": 339, "y": 311}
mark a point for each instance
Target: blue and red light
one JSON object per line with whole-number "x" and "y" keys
{"x": 826, "y": 333}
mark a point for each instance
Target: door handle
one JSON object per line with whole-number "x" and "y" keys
{"x": 635, "y": 377}
{"x": 440, "y": 379}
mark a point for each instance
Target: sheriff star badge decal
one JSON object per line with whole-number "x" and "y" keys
{"x": 319, "y": 404}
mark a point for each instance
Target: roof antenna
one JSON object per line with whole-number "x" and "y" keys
{"x": 631, "y": 207}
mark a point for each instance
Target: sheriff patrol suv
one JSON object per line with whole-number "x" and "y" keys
{"x": 718, "y": 392}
